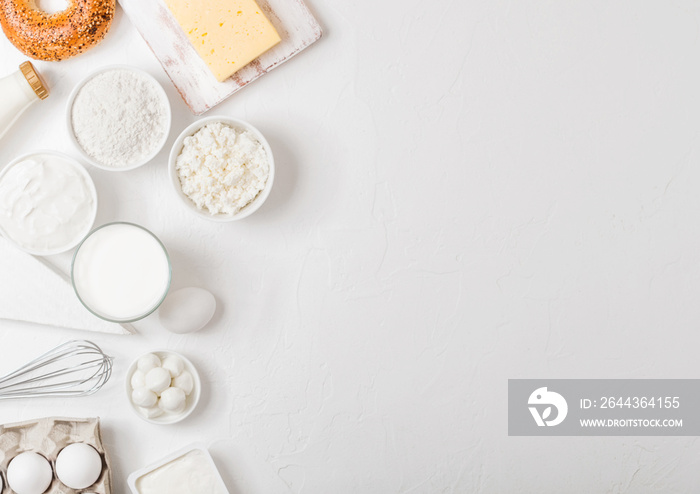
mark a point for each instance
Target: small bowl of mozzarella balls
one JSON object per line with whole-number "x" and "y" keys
{"x": 163, "y": 387}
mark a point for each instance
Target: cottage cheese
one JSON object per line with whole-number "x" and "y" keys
{"x": 222, "y": 169}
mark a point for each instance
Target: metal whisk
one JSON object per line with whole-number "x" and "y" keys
{"x": 75, "y": 368}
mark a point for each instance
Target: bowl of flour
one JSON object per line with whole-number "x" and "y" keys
{"x": 221, "y": 168}
{"x": 119, "y": 118}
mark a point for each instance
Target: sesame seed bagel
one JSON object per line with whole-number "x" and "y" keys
{"x": 58, "y": 36}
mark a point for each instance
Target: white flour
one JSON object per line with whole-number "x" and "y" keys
{"x": 222, "y": 169}
{"x": 119, "y": 118}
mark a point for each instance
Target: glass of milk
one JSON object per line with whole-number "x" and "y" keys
{"x": 121, "y": 272}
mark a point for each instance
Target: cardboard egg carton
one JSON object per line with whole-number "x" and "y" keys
{"x": 48, "y": 436}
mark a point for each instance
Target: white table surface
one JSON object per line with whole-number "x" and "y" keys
{"x": 466, "y": 192}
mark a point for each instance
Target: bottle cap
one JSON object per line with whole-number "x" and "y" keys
{"x": 34, "y": 80}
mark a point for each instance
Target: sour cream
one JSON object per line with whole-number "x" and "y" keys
{"x": 48, "y": 203}
{"x": 121, "y": 272}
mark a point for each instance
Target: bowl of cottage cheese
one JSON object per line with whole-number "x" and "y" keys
{"x": 222, "y": 168}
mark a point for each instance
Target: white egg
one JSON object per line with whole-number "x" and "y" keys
{"x": 143, "y": 397}
{"x": 158, "y": 380}
{"x": 172, "y": 400}
{"x": 148, "y": 362}
{"x": 138, "y": 379}
{"x": 174, "y": 364}
{"x": 29, "y": 473}
{"x": 187, "y": 310}
{"x": 78, "y": 465}
{"x": 185, "y": 382}
{"x": 152, "y": 412}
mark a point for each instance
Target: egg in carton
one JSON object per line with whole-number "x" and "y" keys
{"x": 48, "y": 437}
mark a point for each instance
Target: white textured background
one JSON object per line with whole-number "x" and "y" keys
{"x": 467, "y": 191}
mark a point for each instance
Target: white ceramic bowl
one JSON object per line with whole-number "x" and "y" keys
{"x": 255, "y": 204}
{"x": 69, "y": 122}
{"x": 192, "y": 399}
{"x": 91, "y": 186}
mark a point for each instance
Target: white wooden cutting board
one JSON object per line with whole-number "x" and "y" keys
{"x": 198, "y": 87}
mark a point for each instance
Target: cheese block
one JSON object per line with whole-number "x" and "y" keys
{"x": 227, "y": 34}
{"x": 31, "y": 291}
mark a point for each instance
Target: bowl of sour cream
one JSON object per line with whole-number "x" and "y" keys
{"x": 121, "y": 272}
{"x": 48, "y": 202}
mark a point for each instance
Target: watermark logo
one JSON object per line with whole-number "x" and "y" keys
{"x": 541, "y": 403}
{"x": 604, "y": 407}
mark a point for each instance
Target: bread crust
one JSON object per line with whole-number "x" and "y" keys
{"x": 53, "y": 37}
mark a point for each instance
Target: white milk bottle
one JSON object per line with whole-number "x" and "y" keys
{"x": 17, "y": 92}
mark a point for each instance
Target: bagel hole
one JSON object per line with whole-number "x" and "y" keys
{"x": 52, "y": 6}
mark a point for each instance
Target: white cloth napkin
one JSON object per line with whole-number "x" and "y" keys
{"x": 32, "y": 291}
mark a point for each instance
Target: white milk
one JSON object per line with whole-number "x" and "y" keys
{"x": 121, "y": 272}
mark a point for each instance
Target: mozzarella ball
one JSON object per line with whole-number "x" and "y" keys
{"x": 29, "y": 473}
{"x": 158, "y": 379}
{"x": 148, "y": 362}
{"x": 143, "y": 397}
{"x": 174, "y": 365}
{"x": 78, "y": 465}
{"x": 172, "y": 400}
{"x": 151, "y": 412}
{"x": 185, "y": 382}
{"x": 138, "y": 379}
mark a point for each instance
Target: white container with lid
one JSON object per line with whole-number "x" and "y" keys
{"x": 190, "y": 470}
{"x": 17, "y": 92}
